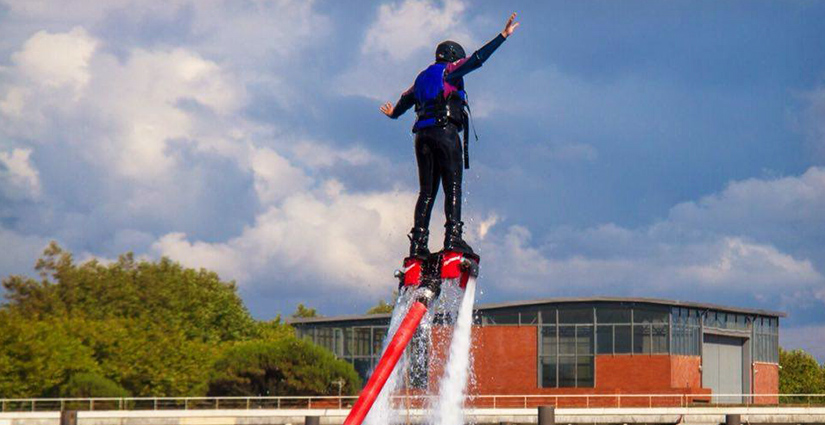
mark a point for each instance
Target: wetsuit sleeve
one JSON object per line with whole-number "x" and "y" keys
{"x": 406, "y": 102}
{"x": 459, "y": 69}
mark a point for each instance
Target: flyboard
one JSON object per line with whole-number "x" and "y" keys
{"x": 424, "y": 277}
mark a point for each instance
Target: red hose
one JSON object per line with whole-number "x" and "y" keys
{"x": 387, "y": 363}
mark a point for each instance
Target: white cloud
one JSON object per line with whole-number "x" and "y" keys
{"x": 275, "y": 177}
{"x": 403, "y": 36}
{"x": 317, "y": 155}
{"x": 19, "y": 179}
{"x": 330, "y": 239}
{"x": 55, "y": 60}
{"x": 697, "y": 253}
{"x": 403, "y": 29}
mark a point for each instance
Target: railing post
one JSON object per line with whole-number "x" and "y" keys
{"x": 247, "y": 403}
{"x": 279, "y": 402}
{"x": 155, "y": 403}
{"x": 33, "y": 401}
{"x": 217, "y": 403}
{"x": 547, "y": 415}
{"x": 91, "y": 404}
{"x": 62, "y": 404}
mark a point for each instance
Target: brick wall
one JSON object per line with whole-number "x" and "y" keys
{"x": 766, "y": 381}
{"x": 505, "y": 361}
{"x": 685, "y": 372}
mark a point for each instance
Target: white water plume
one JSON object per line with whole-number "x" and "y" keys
{"x": 449, "y": 409}
{"x": 382, "y": 412}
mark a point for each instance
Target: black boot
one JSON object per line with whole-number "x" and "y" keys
{"x": 452, "y": 238}
{"x": 418, "y": 243}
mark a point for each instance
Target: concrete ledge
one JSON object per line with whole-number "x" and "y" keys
{"x": 671, "y": 415}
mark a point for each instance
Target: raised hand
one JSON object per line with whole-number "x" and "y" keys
{"x": 510, "y": 26}
{"x": 387, "y": 109}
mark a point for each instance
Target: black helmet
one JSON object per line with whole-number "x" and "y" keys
{"x": 449, "y": 51}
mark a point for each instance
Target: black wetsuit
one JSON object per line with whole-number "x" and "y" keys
{"x": 438, "y": 148}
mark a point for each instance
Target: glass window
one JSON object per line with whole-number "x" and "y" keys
{"x": 641, "y": 339}
{"x": 548, "y": 340}
{"x": 659, "y": 345}
{"x": 567, "y": 371}
{"x": 584, "y": 340}
{"x": 378, "y": 335}
{"x": 548, "y": 316}
{"x": 567, "y": 340}
{"x": 604, "y": 339}
{"x": 622, "y": 339}
{"x": 529, "y": 318}
{"x": 576, "y": 315}
{"x": 505, "y": 318}
{"x": 584, "y": 371}
{"x": 613, "y": 314}
{"x": 548, "y": 372}
{"x": 649, "y": 315}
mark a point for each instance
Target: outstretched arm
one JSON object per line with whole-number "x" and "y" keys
{"x": 459, "y": 69}
{"x": 406, "y": 102}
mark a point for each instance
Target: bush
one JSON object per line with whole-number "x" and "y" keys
{"x": 286, "y": 366}
{"x": 85, "y": 385}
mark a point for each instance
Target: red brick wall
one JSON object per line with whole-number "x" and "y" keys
{"x": 505, "y": 361}
{"x": 766, "y": 381}
{"x": 633, "y": 373}
{"x": 685, "y": 372}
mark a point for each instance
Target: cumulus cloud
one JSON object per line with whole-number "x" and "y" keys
{"x": 403, "y": 36}
{"x": 696, "y": 253}
{"x": 329, "y": 238}
{"x": 19, "y": 179}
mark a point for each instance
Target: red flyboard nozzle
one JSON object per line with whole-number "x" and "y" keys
{"x": 456, "y": 265}
{"x": 412, "y": 271}
{"x": 387, "y": 363}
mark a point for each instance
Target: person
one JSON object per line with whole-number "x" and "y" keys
{"x": 440, "y": 106}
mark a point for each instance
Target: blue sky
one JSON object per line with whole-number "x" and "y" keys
{"x": 662, "y": 149}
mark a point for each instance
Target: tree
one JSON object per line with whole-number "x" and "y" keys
{"x": 154, "y": 328}
{"x": 286, "y": 366}
{"x": 382, "y": 307}
{"x": 303, "y": 311}
{"x": 800, "y": 373}
{"x": 85, "y": 385}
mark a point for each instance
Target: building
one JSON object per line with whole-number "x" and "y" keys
{"x": 596, "y": 345}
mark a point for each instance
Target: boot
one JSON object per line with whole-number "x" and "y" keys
{"x": 452, "y": 238}
{"x": 419, "y": 237}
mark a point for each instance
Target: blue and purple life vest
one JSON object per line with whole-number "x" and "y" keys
{"x": 437, "y": 102}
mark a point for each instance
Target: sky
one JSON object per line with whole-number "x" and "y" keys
{"x": 638, "y": 148}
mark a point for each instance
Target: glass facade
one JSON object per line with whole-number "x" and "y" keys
{"x": 570, "y": 335}
{"x": 766, "y": 339}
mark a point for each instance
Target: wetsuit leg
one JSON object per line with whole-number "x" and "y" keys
{"x": 429, "y": 176}
{"x": 449, "y": 155}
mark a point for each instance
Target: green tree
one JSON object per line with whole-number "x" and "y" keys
{"x": 799, "y": 373}
{"x": 38, "y": 356}
{"x": 286, "y": 366}
{"x": 84, "y": 385}
{"x": 384, "y": 307}
{"x": 303, "y": 311}
{"x": 154, "y": 328}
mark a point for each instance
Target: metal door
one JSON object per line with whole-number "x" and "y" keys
{"x": 722, "y": 366}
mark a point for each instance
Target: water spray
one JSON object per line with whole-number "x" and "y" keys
{"x": 425, "y": 275}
